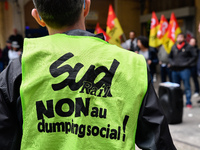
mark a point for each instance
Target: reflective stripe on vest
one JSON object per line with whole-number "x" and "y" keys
{"x": 80, "y": 93}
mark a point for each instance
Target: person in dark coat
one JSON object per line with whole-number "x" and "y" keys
{"x": 17, "y": 37}
{"x": 181, "y": 58}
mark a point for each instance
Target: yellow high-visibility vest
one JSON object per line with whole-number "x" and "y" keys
{"x": 80, "y": 92}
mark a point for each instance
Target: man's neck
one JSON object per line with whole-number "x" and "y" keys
{"x": 144, "y": 49}
{"x": 180, "y": 45}
{"x": 78, "y": 25}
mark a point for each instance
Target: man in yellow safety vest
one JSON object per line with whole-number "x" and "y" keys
{"x": 72, "y": 90}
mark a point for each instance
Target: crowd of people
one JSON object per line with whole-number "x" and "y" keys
{"x": 181, "y": 64}
{"x": 12, "y": 50}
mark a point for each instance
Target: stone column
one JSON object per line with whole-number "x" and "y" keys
{"x": 18, "y": 16}
{"x": 197, "y": 18}
{"x": 2, "y": 35}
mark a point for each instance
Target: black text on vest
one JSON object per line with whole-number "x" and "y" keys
{"x": 73, "y": 107}
{"x": 99, "y": 89}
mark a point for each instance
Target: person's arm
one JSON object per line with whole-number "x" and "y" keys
{"x": 193, "y": 54}
{"x": 152, "y": 129}
{"x": 171, "y": 57}
{"x": 10, "y": 107}
{"x": 153, "y": 56}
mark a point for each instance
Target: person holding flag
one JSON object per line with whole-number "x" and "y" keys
{"x": 114, "y": 29}
{"x": 181, "y": 58}
{"x": 163, "y": 50}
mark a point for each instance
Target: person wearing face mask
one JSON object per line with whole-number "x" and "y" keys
{"x": 181, "y": 58}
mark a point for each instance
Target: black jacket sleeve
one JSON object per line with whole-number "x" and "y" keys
{"x": 171, "y": 62}
{"x": 152, "y": 129}
{"x": 194, "y": 55}
{"x": 10, "y": 107}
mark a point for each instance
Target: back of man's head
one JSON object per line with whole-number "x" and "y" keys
{"x": 59, "y": 13}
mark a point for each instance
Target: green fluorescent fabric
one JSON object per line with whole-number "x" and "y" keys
{"x": 80, "y": 93}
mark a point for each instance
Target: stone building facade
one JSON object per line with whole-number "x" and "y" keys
{"x": 132, "y": 14}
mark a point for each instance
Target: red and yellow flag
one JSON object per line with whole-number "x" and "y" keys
{"x": 98, "y": 30}
{"x": 163, "y": 28}
{"x": 163, "y": 33}
{"x": 114, "y": 29}
{"x": 154, "y": 41}
{"x": 173, "y": 31}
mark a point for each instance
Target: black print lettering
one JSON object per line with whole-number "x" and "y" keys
{"x": 41, "y": 110}
{"x": 88, "y": 130}
{"x": 87, "y": 81}
{"x": 96, "y": 112}
{"x": 59, "y": 105}
{"x": 78, "y": 107}
{"x": 80, "y": 130}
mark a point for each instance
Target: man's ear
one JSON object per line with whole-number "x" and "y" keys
{"x": 87, "y": 7}
{"x": 37, "y": 17}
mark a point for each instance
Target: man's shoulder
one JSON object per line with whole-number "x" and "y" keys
{"x": 128, "y": 40}
{"x": 188, "y": 46}
{"x": 174, "y": 46}
{"x": 11, "y": 72}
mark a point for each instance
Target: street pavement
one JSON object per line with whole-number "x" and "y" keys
{"x": 186, "y": 135}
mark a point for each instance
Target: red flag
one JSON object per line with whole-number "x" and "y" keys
{"x": 98, "y": 30}
{"x": 6, "y": 5}
{"x": 153, "y": 39}
{"x": 113, "y": 29}
{"x": 163, "y": 33}
{"x": 111, "y": 17}
{"x": 173, "y": 30}
{"x": 154, "y": 20}
{"x": 163, "y": 27}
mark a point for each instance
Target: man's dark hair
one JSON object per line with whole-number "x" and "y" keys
{"x": 132, "y": 31}
{"x": 59, "y": 13}
{"x": 144, "y": 40}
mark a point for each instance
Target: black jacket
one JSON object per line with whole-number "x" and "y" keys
{"x": 152, "y": 131}
{"x": 183, "y": 58}
{"x": 154, "y": 59}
